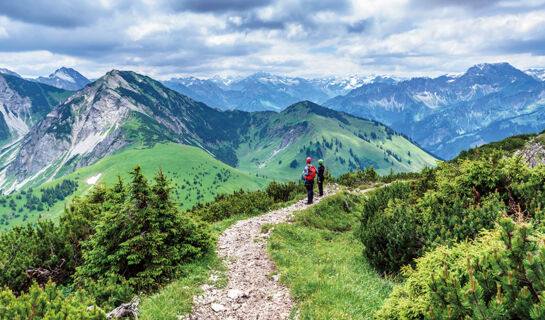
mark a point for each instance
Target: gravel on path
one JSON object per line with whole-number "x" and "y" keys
{"x": 251, "y": 292}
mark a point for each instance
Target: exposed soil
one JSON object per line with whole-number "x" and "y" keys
{"x": 252, "y": 293}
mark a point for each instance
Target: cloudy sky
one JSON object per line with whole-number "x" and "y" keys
{"x": 167, "y": 38}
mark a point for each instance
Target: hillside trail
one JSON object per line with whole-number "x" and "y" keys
{"x": 251, "y": 293}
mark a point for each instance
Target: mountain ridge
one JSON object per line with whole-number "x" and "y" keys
{"x": 438, "y": 112}
{"x": 124, "y": 108}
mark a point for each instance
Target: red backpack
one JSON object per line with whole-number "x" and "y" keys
{"x": 311, "y": 174}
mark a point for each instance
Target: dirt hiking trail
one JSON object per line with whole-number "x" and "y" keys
{"x": 251, "y": 293}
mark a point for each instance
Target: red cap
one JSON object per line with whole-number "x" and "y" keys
{"x": 309, "y": 160}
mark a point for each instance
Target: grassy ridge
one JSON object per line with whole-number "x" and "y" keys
{"x": 320, "y": 259}
{"x": 344, "y": 142}
{"x": 195, "y": 175}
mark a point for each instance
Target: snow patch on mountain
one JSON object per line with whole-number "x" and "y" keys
{"x": 538, "y": 74}
{"x": 63, "y": 75}
{"x": 94, "y": 179}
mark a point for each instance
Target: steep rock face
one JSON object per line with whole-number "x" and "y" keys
{"x": 120, "y": 109}
{"x": 15, "y": 113}
{"x": 448, "y": 114}
{"x": 534, "y": 151}
{"x": 22, "y": 104}
{"x": 86, "y": 123}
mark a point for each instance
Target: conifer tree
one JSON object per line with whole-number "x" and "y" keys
{"x": 144, "y": 239}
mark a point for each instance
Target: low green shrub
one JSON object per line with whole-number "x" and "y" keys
{"x": 238, "y": 203}
{"x": 34, "y": 252}
{"x": 48, "y": 303}
{"x": 390, "y": 228}
{"x": 354, "y": 179}
{"x": 412, "y": 299}
{"x": 498, "y": 276}
{"x": 283, "y": 192}
{"x": 507, "y": 283}
{"x": 109, "y": 291}
{"x": 452, "y": 203}
{"x": 393, "y": 238}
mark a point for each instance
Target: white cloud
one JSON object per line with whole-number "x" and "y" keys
{"x": 296, "y": 37}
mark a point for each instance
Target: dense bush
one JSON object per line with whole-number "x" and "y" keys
{"x": 453, "y": 202}
{"x": 247, "y": 202}
{"x": 390, "y": 229}
{"x": 412, "y": 299}
{"x": 498, "y": 276}
{"x": 144, "y": 238}
{"x": 40, "y": 252}
{"x": 354, "y": 179}
{"x": 282, "y": 192}
{"x": 240, "y": 202}
{"x": 47, "y": 303}
{"x": 507, "y": 283}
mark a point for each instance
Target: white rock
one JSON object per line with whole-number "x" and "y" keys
{"x": 217, "y": 307}
{"x": 234, "y": 294}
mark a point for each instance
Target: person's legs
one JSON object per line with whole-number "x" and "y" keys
{"x": 308, "y": 185}
{"x": 311, "y": 191}
{"x": 321, "y": 188}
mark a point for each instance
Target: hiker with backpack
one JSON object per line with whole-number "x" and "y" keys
{"x": 320, "y": 181}
{"x": 309, "y": 173}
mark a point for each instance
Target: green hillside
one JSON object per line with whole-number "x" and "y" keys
{"x": 196, "y": 176}
{"x": 508, "y": 145}
{"x": 278, "y": 145}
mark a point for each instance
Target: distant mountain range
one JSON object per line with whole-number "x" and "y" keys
{"x": 124, "y": 110}
{"x": 445, "y": 114}
{"x": 449, "y": 114}
{"x": 263, "y": 91}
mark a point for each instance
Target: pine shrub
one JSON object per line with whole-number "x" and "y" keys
{"x": 282, "y": 192}
{"x": 507, "y": 283}
{"x": 145, "y": 239}
{"x": 48, "y": 303}
{"x": 238, "y": 203}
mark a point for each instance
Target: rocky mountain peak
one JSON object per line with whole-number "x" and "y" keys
{"x": 65, "y": 78}
{"x": 9, "y": 72}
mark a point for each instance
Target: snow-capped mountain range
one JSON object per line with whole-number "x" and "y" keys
{"x": 445, "y": 114}
{"x": 265, "y": 91}
{"x": 538, "y": 74}
{"x": 448, "y": 114}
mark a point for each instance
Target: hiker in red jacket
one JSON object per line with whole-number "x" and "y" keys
{"x": 308, "y": 176}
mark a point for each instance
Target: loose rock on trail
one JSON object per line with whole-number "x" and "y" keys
{"x": 251, "y": 293}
